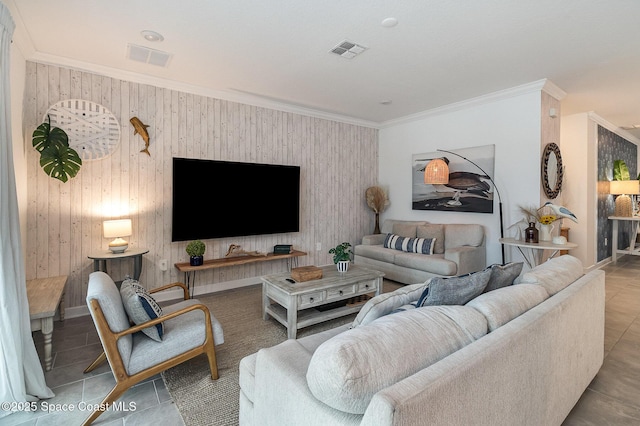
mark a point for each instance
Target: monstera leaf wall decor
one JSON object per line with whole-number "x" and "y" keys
{"x": 57, "y": 158}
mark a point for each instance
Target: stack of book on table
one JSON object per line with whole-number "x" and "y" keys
{"x": 282, "y": 249}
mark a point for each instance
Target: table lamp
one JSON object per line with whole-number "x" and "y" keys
{"x": 117, "y": 229}
{"x": 624, "y": 188}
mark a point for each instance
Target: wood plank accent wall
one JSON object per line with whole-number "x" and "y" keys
{"x": 64, "y": 220}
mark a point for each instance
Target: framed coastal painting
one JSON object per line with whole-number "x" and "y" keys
{"x": 470, "y": 187}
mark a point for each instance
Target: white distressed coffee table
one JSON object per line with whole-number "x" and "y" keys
{"x": 299, "y": 305}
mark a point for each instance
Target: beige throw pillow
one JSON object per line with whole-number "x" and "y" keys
{"x": 433, "y": 231}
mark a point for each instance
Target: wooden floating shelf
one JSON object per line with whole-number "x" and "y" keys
{"x": 236, "y": 260}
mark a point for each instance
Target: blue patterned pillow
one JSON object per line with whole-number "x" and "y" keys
{"x": 410, "y": 245}
{"x": 141, "y": 307}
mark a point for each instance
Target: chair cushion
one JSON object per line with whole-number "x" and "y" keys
{"x": 141, "y": 307}
{"x": 181, "y": 334}
{"x": 503, "y": 275}
{"x": 102, "y": 288}
{"x": 410, "y": 245}
{"x": 455, "y": 290}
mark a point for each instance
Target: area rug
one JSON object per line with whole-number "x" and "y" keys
{"x": 202, "y": 401}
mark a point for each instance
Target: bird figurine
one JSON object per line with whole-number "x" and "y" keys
{"x": 561, "y": 211}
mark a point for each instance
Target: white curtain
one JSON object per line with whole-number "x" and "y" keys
{"x": 21, "y": 375}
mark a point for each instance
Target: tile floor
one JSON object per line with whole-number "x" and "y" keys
{"x": 75, "y": 345}
{"x": 613, "y": 397}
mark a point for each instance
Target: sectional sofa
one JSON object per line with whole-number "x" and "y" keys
{"x": 522, "y": 354}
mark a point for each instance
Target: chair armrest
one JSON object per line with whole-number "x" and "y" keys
{"x": 176, "y": 284}
{"x": 373, "y": 240}
{"x": 468, "y": 258}
{"x": 158, "y": 320}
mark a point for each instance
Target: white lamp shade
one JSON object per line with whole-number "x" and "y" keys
{"x": 116, "y": 228}
{"x": 628, "y": 187}
{"x": 436, "y": 172}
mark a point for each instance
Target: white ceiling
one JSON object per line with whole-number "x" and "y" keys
{"x": 441, "y": 51}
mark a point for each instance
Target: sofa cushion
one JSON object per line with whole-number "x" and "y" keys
{"x": 455, "y": 290}
{"x": 376, "y": 252}
{"x": 385, "y": 303}
{"x": 554, "y": 274}
{"x": 434, "y": 264}
{"x": 405, "y": 229}
{"x": 503, "y": 275}
{"x": 141, "y": 307}
{"x": 346, "y": 371}
{"x": 410, "y": 245}
{"x": 435, "y": 231}
{"x": 504, "y": 304}
{"x": 457, "y": 235}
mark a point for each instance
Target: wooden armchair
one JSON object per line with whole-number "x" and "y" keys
{"x": 189, "y": 330}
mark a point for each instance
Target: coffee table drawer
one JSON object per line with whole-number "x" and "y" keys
{"x": 309, "y": 299}
{"x": 367, "y": 286}
{"x": 338, "y": 292}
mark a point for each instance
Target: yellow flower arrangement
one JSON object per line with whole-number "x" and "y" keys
{"x": 534, "y": 215}
{"x": 547, "y": 219}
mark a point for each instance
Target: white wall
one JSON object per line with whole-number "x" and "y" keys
{"x": 511, "y": 121}
{"x": 578, "y": 136}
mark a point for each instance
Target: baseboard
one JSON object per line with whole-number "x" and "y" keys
{"x": 164, "y": 296}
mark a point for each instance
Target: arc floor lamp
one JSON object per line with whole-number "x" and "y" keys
{"x": 437, "y": 172}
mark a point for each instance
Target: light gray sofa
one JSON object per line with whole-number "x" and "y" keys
{"x": 518, "y": 355}
{"x": 459, "y": 249}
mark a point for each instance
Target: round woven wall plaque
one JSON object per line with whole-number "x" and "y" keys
{"x": 94, "y": 132}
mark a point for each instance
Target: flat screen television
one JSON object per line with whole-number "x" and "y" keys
{"x": 216, "y": 199}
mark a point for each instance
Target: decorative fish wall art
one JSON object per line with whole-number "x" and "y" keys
{"x": 141, "y": 129}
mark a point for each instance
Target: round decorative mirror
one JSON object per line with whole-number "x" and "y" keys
{"x": 552, "y": 170}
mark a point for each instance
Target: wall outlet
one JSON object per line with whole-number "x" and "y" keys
{"x": 318, "y": 246}
{"x": 163, "y": 264}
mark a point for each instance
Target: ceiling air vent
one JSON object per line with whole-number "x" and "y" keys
{"x": 148, "y": 56}
{"x": 348, "y": 50}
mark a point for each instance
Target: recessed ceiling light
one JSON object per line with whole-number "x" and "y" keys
{"x": 389, "y": 22}
{"x": 151, "y": 35}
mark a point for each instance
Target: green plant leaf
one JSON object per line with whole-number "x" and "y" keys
{"x": 44, "y": 136}
{"x": 620, "y": 170}
{"x": 60, "y": 161}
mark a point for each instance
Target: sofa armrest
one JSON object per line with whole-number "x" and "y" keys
{"x": 469, "y": 259}
{"x": 373, "y": 240}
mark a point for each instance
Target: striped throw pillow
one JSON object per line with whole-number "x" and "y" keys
{"x": 410, "y": 245}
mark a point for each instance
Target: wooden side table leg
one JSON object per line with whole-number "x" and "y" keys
{"x": 46, "y": 325}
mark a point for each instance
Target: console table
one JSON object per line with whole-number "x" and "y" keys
{"x": 190, "y": 271}
{"x": 100, "y": 259}
{"x": 45, "y": 295}
{"x": 632, "y": 250}
{"x": 533, "y": 255}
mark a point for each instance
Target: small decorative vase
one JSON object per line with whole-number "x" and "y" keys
{"x": 376, "y": 230}
{"x": 343, "y": 265}
{"x": 545, "y": 232}
{"x": 531, "y": 233}
{"x": 196, "y": 260}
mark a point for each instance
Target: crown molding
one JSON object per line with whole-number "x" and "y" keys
{"x": 227, "y": 95}
{"x": 613, "y": 128}
{"x": 536, "y": 86}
